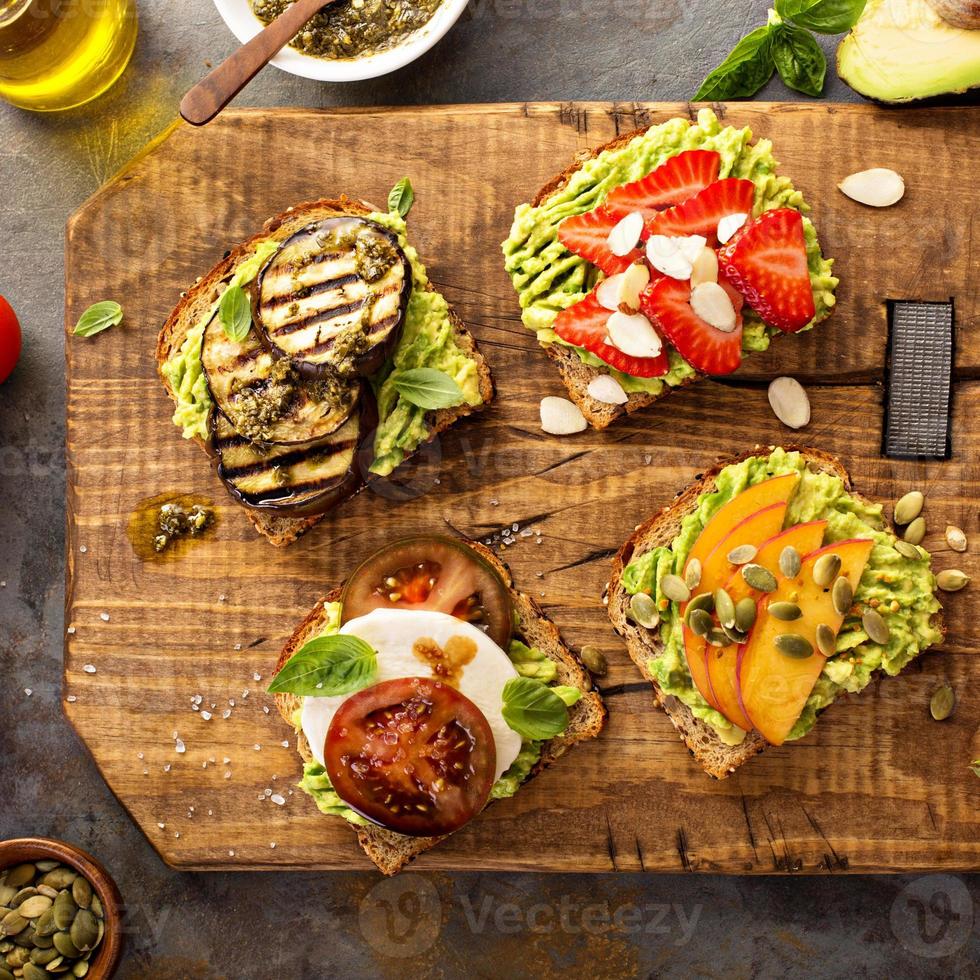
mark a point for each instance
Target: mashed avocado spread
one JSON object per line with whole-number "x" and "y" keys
{"x": 427, "y": 340}
{"x": 528, "y": 661}
{"x": 901, "y": 589}
{"x": 548, "y": 278}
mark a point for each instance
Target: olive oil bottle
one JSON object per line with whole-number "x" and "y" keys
{"x": 57, "y": 54}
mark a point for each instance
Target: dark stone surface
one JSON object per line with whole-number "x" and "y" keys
{"x": 306, "y": 925}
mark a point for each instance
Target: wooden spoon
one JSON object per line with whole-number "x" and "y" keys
{"x": 206, "y": 99}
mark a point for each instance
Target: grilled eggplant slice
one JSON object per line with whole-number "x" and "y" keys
{"x": 295, "y": 480}
{"x": 265, "y": 398}
{"x": 332, "y": 299}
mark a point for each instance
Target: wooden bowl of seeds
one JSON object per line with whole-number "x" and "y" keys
{"x": 60, "y": 912}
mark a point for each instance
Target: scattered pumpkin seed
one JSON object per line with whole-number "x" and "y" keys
{"x": 46, "y": 865}
{"x": 692, "y": 577}
{"x": 64, "y": 910}
{"x": 745, "y": 613}
{"x": 20, "y": 875}
{"x": 6, "y": 974}
{"x": 44, "y": 956}
{"x": 96, "y": 907}
{"x": 759, "y": 578}
{"x": 59, "y": 878}
{"x": 80, "y": 969}
{"x": 955, "y": 537}
{"x": 735, "y": 635}
{"x": 643, "y": 610}
{"x": 22, "y": 896}
{"x": 842, "y": 595}
{"x": 916, "y": 531}
{"x": 84, "y": 930}
{"x": 826, "y": 568}
{"x": 45, "y": 925}
{"x": 594, "y": 660}
{"x": 32, "y": 907}
{"x": 52, "y": 893}
{"x": 909, "y": 507}
{"x": 81, "y": 892}
{"x": 790, "y": 561}
{"x": 6, "y": 894}
{"x": 942, "y": 703}
{"x": 724, "y": 608}
{"x": 13, "y": 923}
{"x": 64, "y": 944}
{"x": 17, "y": 957}
{"x": 718, "y": 638}
{"x": 785, "y": 611}
{"x": 743, "y": 554}
{"x": 907, "y": 550}
{"x": 34, "y": 972}
{"x": 703, "y": 600}
{"x": 700, "y": 622}
{"x": 952, "y": 580}
{"x": 875, "y": 626}
{"x": 793, "y": 645}
{"x": 826, "y": 640}
{"x": 673, "y": 587}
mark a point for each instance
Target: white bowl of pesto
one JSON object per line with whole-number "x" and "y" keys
{"x": 244, "y": 24}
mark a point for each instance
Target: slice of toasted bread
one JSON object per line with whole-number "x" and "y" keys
{"x": 391, "y": 851}
{"x": 717, "y": 758}
{"x": 283, "y": 529}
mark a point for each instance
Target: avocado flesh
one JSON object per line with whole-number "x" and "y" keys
{"x": 901, "y": 50}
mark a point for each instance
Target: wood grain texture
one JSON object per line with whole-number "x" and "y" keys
{"x": 878, "y": 786}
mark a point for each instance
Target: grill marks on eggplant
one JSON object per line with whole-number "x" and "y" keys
{"x": 333, "y": 297}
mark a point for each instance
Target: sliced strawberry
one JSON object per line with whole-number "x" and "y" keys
{"x": 673, "y": 182}
{"x": 700, "y": 214}
{"x": 587, "y": 236}
{"x": 766, "y": 260}
{"x": 667, "y": 304}
{"x": 584, "y": 325}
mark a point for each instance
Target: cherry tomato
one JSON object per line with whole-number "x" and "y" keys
{"x": 10, "y": 339}
{"x": 413, "y": 755}
{"x": 435, "y": 573}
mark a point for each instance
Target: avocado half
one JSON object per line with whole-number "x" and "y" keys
{"x": 902, "y": 50}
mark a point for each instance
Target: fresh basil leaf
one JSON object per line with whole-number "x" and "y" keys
{"x": 327, "y": 666}
{"x": 401, "y": 197}
{"x": 235, "y": 312}
{"x": 743, "y": 72}
{"x": 799, "y": 59}
{"x": 532, "y": 709}
{"x": 975, "y": 767}
{"x": 822, "y": 16}
{"x": 98, "y": 317}
{"x": 427, "y": 388}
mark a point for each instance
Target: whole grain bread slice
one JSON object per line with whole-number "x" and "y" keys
{"x": 391, "y": 851}
{"x": 717, "y": 758}
{"x": 196, "y": 302}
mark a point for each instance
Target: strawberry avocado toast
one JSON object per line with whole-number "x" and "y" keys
{"x": 665, "y": 256}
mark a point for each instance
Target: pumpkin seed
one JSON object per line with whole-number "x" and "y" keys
{"x": 79, "y": 969}
{"x": 916, "y": 531}
{"x": 743, "y": 554}
{"x": 907, "y": 550}
{"x": 45, "y": 925}
{"x": 725, "y": 608}
{"x": 826, "y": 640}
{"x": 875, "y": 626}
{"x": 45, "y": 866}
{"x": 735, "y": 635}
{"x": 785, "y": 611}
{"x": 793, "y": 645}
{"x": 909, "y": 507}
{"x": 52, "y": 893}
{"x": 745, "y": 613}
{"x": 595, "y": 663}
{"x": 700, "y": 622}
{"x": 97, "y": 906}
{"x": 673, "y": 587}
{"x": 759, "y": 578}
{"x": 790, "y": 561}
{"x": 955, "y": 537}
{"x": 942, "y": 703}
{"x": 44, "y": 956}
{"x": 952, "y": 580}
{"x": 842, "y": 595}
{"x": 825, "y": 569}
{"x": 703, "y": 600}
{"x": 13, "y": 923}
{"x": 17, "y": 957}
{"x": 81, "y": 892}
{"x": 64, "y": 944}
{"x": 20, "y": 875}
{"x": 64, "y": 910}
{"x": 85, "y": 930}
{"x": 34, "y": 972}
{"x": 26, "y": 938}
{"x": 42, "y": 942}
{"x": 6, "y": 945}
{"x": 692, "y": 577}
{"x": 59, "y": 878}
{"x": 643, "y": 611}
{"x": 32, "y": 907}
{"x": 5, "y": 974}
{"x": 6, "y": 894}
{"x": 55, "y": 966}
{"x": 718, "y": 638}
{"x": 22, "y": 896}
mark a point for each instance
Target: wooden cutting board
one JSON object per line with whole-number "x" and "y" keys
{"x": 878, "y": 786}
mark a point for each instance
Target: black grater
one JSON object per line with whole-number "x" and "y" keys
{"x": 919, "y": 381}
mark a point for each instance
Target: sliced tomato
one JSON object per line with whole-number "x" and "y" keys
{"x": 10, "y": 339}
{"x": 587, "y": 236}
{"x": 672, "y": 183}
{"x": 413, "y": 755}
{"x": 435, "y": 573}
{"x": 700, "y": 214}
{"x": 767, "y": 261}
{"x": 584, "y": 325}
{"x": 667, "y": 303}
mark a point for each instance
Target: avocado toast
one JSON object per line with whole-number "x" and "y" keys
{"x": 720, "y": 690}
{"x": 432, "y": 573}
{"x": 300, "y": 413}
{"x": 647, "y": 205}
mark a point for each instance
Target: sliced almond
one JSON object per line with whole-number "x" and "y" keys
{"x": 712, "y": 304}
{"x": 605, "y": 388}
{"x": 705, "y": 268}
{"x": 878, "y": 187}
{"x": 664, "y": 254}
{"x": 626, "y": 235}
{"x": 560, "y": 417}
{"x": 790, "y": 402}
{"x": 624, "y": 288}
{"x": 690, "y": 246}
{"x": 633, "y": 334}
{"x": 728, "y": 225}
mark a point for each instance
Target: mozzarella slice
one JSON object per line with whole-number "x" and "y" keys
{"x": 391, "y": 633}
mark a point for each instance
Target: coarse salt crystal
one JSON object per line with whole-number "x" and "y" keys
{"x": 278, "y": 800}
{"x": 104, "y": 617}
{"x": 180, "y": 747}
{"x": 71, "y": 630}
{"x": 28, "y": 691}
{"x": 89, "y": 668}
{"x": 71, "y": 699}
{"x": 206, "y": 715}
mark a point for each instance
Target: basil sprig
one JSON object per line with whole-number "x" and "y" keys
{"x": 799, "y": 60}
{"x": 98, "y": 317}
{"x": 401, "y": 197}
{"x": 743, "y": 72}
{"x": 327, "y": 666}
{"x": 427, "y": 388}
{"x": 235, "y": 313}
{"x": 533, "y": 710}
